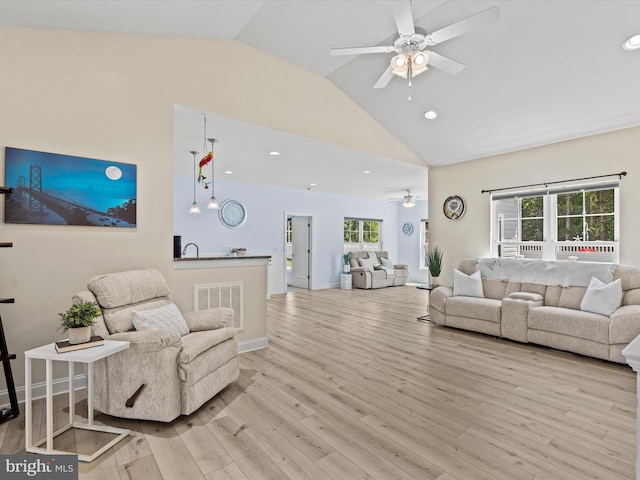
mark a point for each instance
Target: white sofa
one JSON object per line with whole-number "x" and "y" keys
{"x": 544, "y": 312}
{"x": 363, "y": 277}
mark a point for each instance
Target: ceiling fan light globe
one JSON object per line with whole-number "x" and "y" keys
{"x": 420, "y": 59}
{"x": 632, "y": 43}
{"x": 399, "y": 61}
{"x": 400, "y": 64}
{"x": 409, "y": 203}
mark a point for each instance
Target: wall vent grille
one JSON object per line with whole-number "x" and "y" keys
{"x": 230, "y": 295}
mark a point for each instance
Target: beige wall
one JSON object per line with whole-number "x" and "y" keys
{"x": 111, "y": 97}
{"x": 468, "y": 237}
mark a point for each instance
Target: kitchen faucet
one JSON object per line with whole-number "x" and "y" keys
{"x": 184, "y": 250}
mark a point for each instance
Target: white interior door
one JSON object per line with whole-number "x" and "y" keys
{"x": 300, "y": 235}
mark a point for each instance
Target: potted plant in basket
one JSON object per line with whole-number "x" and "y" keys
{"x": 434, "y": 264}
{"x": 78, "y": 320}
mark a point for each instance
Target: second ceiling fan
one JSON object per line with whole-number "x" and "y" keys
{"x": 412, "y": 57}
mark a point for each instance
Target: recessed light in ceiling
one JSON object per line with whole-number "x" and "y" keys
{"x": 228, "y": 172}
{"x": 313, "y": 184}
{"x": 430, "y": 115}
{"x": 632, "y": 43}
{"x": 274, "y": 153}
{"x": 366, "y": 171}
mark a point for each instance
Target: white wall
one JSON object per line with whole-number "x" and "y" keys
{"x": 468, "y": 237}
{"x": 409, "y": 246}
{"x": 263, "y": 231}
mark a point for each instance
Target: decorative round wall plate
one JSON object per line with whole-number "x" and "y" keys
{"x": 453, "y": 207}
{"x": 407, "y": 229}
{"x": 232, "y": 213}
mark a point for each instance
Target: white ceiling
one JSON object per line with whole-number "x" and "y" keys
{"x": 548, "y": 71}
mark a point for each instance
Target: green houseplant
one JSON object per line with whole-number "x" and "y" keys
{"x": 346, "y": 266}
{"x": 78, "y": 320}
{"x": 434, "y": 264}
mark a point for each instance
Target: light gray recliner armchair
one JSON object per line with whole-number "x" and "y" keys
{"x": 183, "y": 361}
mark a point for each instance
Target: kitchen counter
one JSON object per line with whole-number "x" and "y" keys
{"x": 220, "y": 256}
{"x": 220, "y": 260}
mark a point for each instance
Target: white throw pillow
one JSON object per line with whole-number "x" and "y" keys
{"x": 602, "y": 298}
{"x": 163, "y": 318}
{"x": 368, "y": 263}
{"x": 467, "y": 285}
{"x": 386, "y": 262}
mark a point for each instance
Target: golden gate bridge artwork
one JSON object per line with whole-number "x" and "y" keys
{"x": 56, "y": 189}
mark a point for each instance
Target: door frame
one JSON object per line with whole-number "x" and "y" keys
{"x": 284, "y": 245}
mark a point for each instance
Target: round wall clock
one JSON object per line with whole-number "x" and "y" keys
{"x": 407, "y": 229}
{"x": 453, "y": 207}
{"x": 232, "y": 213}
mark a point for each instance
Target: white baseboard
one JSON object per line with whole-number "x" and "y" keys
{"x": 255, "y": 344}
{"x": 60, "y": 385}
{"x": 326, "y": 285}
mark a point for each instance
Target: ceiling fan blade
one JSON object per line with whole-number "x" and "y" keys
{"x": 403, "y": 17}
{"x": 385, "y": 78}
{"x": 444, "y": 63}
{"x": 485, "y": 17}
{"x": 358, "y": 50}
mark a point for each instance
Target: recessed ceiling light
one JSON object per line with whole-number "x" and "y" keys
{"x": 274, "y": 153}
{"x": 430, "y": 114}
{"x": 366, "y": 171}
{"x": 228, "y": 172}
{"x": 632, "y": 43}
{"x": 313, "y": 184}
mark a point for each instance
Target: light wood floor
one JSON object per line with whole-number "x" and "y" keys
{"x": 352, "y": 387}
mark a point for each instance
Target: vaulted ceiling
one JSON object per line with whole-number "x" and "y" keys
{"x": 545, "y": 72}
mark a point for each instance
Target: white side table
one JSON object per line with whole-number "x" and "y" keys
{"x": 345, "y": 281}
{"x": 49, "y": 355}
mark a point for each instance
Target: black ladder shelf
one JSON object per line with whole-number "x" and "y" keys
{"x": 5, "y": 356}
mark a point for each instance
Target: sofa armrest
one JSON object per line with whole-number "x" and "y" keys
{"x": 361, "y": 277}
{"x": 625, "y": 324}
{"x": 400, "y": 266}
{"x": 148, "y": 340}
{"x": 513, "y": 322}
{"x": 437, "y": 300}
{"x": 209, "y": 319}
{"x": 151, "y": 360}
{"x": 441, "y": 293}
{"x": 533, "y": 297}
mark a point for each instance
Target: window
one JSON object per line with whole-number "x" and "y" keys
{"x": 289, "y": 244}
{"x": 424, "y": 234}
{"x": 362, "y": 234}
{"x": 587, "y": 216}
{"x": 557, "y": 224}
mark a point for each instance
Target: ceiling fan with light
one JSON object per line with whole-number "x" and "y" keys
{"x": 412, "y": 58}
{"x": 408, "y": 201}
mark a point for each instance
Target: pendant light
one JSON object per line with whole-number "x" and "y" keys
{"x": 213, "y": 203}
{"x": 194, "y": 205}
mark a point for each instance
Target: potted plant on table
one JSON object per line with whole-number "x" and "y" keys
{"x": 78, "y": 320}
{"x": 346, "y": 266}
{"x": 434, "y": 264}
